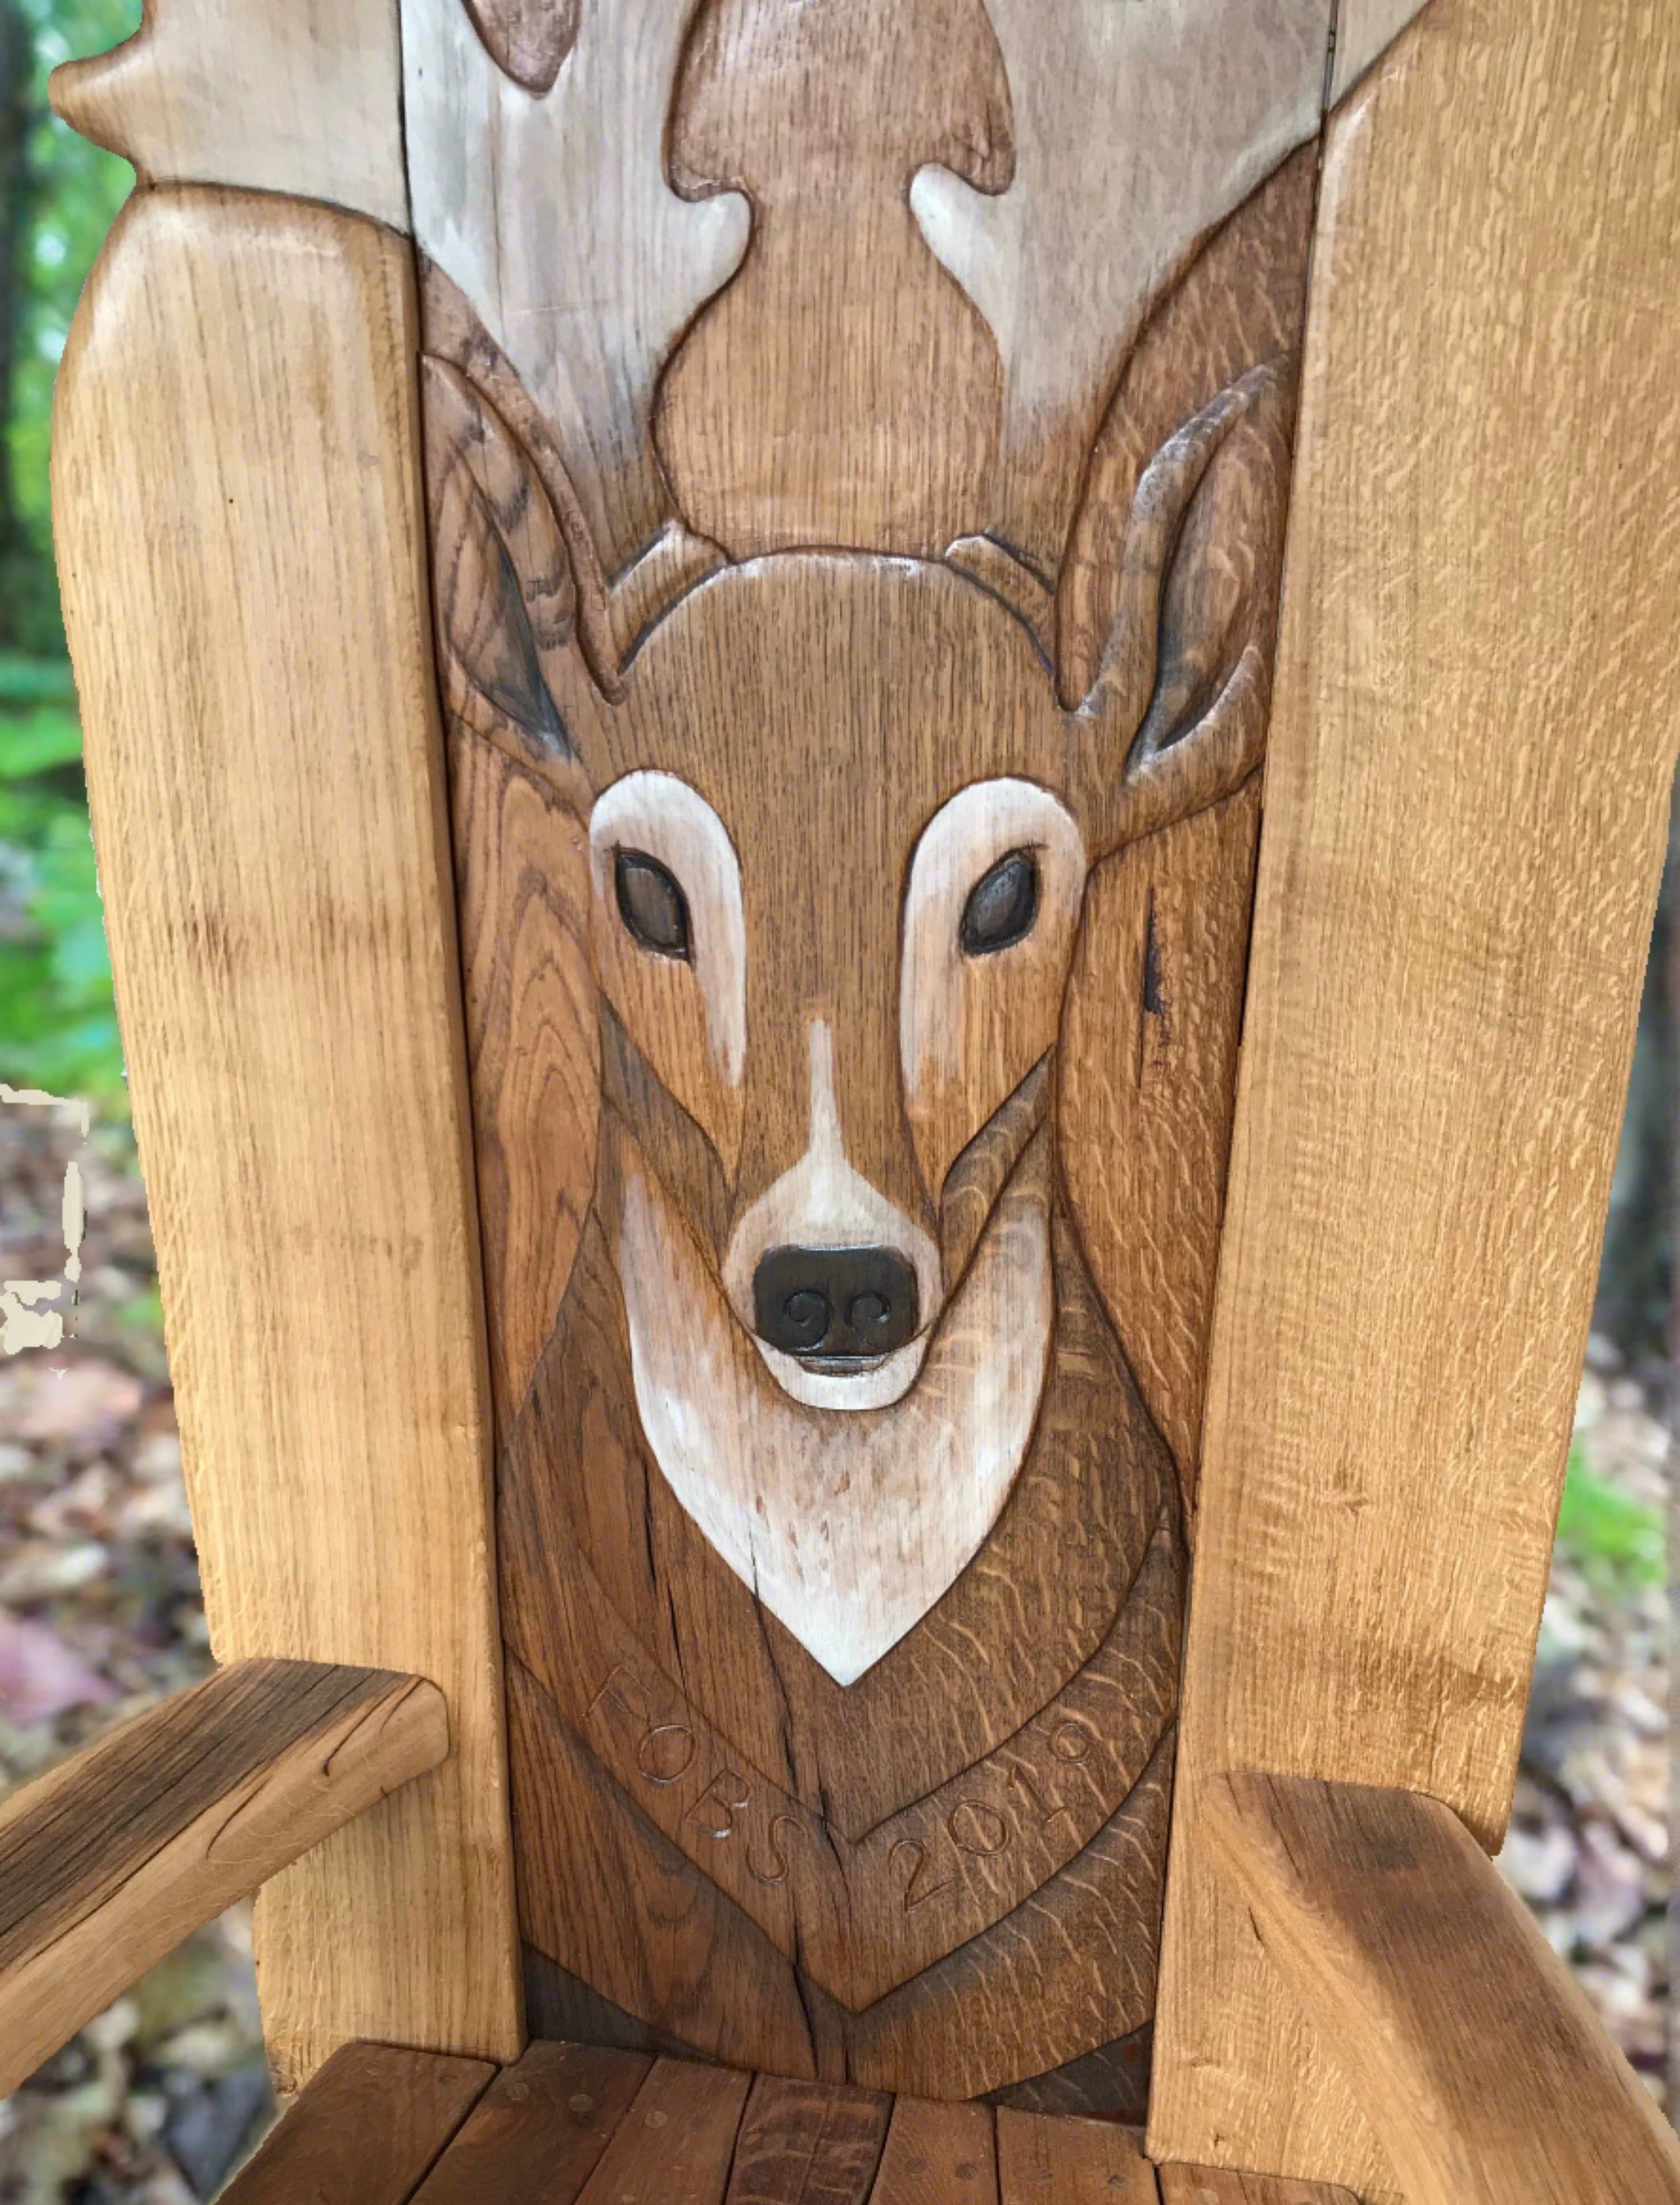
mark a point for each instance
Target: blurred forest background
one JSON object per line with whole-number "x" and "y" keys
{"x": 99, "y": 1608}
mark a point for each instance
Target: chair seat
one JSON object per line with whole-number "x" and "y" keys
{"x": 567, "y": 2122}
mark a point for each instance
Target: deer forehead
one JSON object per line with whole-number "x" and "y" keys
{"x": 841, "y": 696}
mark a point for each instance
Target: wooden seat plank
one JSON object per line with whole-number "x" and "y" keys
{"x": 539, "y": 2130}
{"x": 808, "y": 2143}
{"x": 1219, "y": 2185}
{"x": 365, "y": 2130}
{"x": 1047, "y": 2159}
{"x": 938, "y": 2154}
{"x": 674, "y": 2145}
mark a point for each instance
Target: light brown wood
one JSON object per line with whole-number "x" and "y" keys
{"x": 537, "y": 2134}
{"x": 1471, "y": 750}
{"x": 675, "y": 2144}
{"x": 109, "y": 1863}
{"x": 1218, "y": 2185}
{"x": 299, "y": 95}
{"x": 364, "y": 2132}
{"x": 938, "y": 2154}
{"x": 1470, "y": 2047}
{"x": 241, "y": 549}
{"x": 1071, "y": 2162}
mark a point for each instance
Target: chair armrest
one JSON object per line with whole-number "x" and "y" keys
{"x": 108, "y": 1862}
{"x": 1484, "y": 2074}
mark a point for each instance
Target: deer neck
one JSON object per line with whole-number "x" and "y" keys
{"x": 847, "y": 1526}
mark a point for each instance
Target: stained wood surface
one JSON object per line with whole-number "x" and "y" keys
{"x": 1469, "y": 2046}
{"x": 854, "y": 1680}
{"x": 109, "y": 1863}
{"x": 1471, "y": 751}
{"x": 265, "y": 770}
{"x": 938, "y": 2154}
{"x": 585, "y": 309}
{"x": 296, "y": 96}
{"x": 364, "y": 2132}
{"x": 682, "y": 2133}
{"x": 822, "y": 115}
{"x": 1218, "y": 2185}
{"x": 675, "y": 2144}
{"x": 808, "y": 2143}
{"x": 538, "y": 2133}
{"x": 1074, "y": 2162}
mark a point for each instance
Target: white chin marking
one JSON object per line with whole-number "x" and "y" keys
{"x": 877, "y": 1385}
{"x": 847, "y": 1528}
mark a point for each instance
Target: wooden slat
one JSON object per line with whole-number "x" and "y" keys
{"x": 107, "y": 1864}
{"x": 239, "y": 526}
{"x": 1471, "y": 2049}
{"x": 808, "y": 2143}
{"x": 938, "y": 2154}
{"x": 1217, "y": 2186}
{"x": 1043, "y": 2160}
{"x": 364, "y": 2132}
{"x": 1472, "y": 746}
{"x": 538, "y": 2131}
{"x": 674, "y": 2145}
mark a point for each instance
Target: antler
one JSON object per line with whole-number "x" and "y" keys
{"x": 1137, "y": 129}
{"x": 554, "y": 215}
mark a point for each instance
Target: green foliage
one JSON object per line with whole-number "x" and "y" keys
{"x": 57, "y": 1024}
{"x": 76, "y": 190}
{"x": 1615, "y": 1541}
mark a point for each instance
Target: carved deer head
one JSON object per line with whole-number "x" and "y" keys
{"x": 845, "y": 763}
{"x": 840, "y": 821}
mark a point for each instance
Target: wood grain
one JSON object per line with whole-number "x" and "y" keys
{"x": 539, "y": 2130}
{"x": 1154, "y": 1018}
{"x": 1449, "y": 939}
{"x": 1470, "y": 2047}
{"x": 265, "y": 768}
{"x": 364, "y": 2132}
{"x": 586, "y": 308}
{"x": 1137, "y": 132}
{"x": 109, "y": 1863}
{"x": 875, "y": 387}
{"x": 807, "y": 2144}
{"x": 528, "y": 39}
{"x": 938, "y": 2154}
{"x": 675, "y": 2144}
{"x": 1044, "y": 2162}
{"x": 1218, "y": 2185}
{"x": 295, "y": 96}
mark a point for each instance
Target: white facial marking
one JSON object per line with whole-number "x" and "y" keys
{"x": 662, "y": 817}
{"x": 943, "y": 991}
{"x": 847, "y": 1528}
{"x": 823, "y": 1202}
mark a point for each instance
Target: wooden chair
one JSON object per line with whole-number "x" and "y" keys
{"x": 678, "y": 609}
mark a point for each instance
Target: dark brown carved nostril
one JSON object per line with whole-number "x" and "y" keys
{"x": 840, "y": 1303}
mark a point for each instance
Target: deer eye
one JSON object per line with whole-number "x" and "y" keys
{"x": 1001, "y": 908}
{"x": 652, "y": 905}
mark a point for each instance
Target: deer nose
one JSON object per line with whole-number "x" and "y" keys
{"x": 843, "y": 1304}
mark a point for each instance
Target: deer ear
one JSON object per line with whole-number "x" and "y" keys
{"x": 1184, "y": 679}
{"x": 504, "y": 598}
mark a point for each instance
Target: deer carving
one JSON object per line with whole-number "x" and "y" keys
{"x": 822, "y": 1426}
